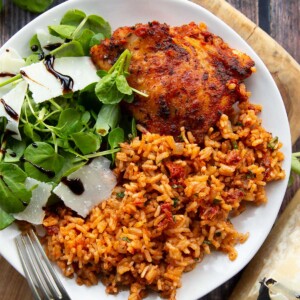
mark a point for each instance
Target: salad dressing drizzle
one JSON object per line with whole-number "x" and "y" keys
{"x": 66, "y": 81}
{"x": 9, "y": 110}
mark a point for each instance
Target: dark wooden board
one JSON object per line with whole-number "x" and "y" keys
{"x": 279, "y": 18}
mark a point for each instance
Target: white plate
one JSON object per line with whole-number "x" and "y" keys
{"x": 216, "y": 268}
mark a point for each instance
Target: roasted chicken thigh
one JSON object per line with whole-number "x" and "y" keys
{"x": 191, "y": 75}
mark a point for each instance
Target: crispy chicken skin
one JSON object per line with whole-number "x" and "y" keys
{"x": 190, "y": 75}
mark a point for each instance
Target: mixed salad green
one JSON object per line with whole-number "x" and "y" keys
{"x": 60, "y": 135}
{"x": 35, "y": 6}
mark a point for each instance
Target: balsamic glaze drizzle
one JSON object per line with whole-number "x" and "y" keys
{"x": 6, "y": 74}
{"x": 9, "y": 110}
{"x": 23, "y": 202}
{"x": 50, "y": 174}
{"x": 51, "y": 47}
{"x": 75, "y": 185}
{"x": 66, "y": 81}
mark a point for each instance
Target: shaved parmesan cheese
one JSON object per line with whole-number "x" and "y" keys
{"x": 46, "y": 39}
{"x": 98, "y": 182}
{"x": 44, "y": 85}
{"x": 11, "y": 62}
{"x": 12, "y": 102}
{"x": 34, "y": 212}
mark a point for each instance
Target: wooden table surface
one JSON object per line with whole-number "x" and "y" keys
{"x": 279, "y": 18}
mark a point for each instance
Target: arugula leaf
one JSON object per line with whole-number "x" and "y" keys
{"x": 13, "y": 195}
{"x": 5, "y": 218}
{"x": 87, "y": 142}
{"x": 35, "y": 6}
{"x": 42, "y": 162}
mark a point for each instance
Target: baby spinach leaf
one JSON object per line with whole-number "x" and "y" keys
{"x": 86, "y": 116}
{"x": 14, "y": 150}
{"x": 128, "y": 98}
{"x": 108, "y": 118}
{"x": 70, "y": 165}
{"x": 35, "y": 45}
{"x": 5, "y": 218}
{"x": 35, "y": 6}
{"x": 84, "y": 39}
{"x": 123, "y": 85}
{"x": 71, "y": 49}
{"x": 42, "y": 162}
{"x": 1, "y": 5}
{"x": 69, "y": 122}
{"x": 63, "y": 31}
{"x": 106, "y": 89}
{"x": 63, "y": 143}
{"x": 101, "y": 73}
{"x": 96, "y": 39}
{"x": 88, "y": 98}
{"x": 98, "y": 25}
{"x": 32, "y": 59}
{"x": 29, "y": 132}
{"x": 73, "y": 17}
{"x": 13, "y": 194}
{"x": 87, "y": 142}
{"x": 115, "y": 137}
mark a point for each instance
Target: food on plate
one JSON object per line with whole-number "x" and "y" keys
{"x": 141, "y": 164}
{"x": 190, "y": 75}
{"x": 172, "y": 205}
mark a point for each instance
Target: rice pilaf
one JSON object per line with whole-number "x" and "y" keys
{"x": 173, "y": 205}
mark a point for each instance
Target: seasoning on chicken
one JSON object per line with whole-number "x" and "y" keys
{"x": 191, "y": 75}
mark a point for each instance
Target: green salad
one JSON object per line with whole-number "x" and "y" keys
{"x": 53, "y": 136}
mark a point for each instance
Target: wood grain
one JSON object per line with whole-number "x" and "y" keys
{"x": 281, "y": 64}
{"x": 259, "y": 267}
{"x": 248, "y": 8}
{"x": 285, "y": 25}
{"x": 12, "y": 285}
